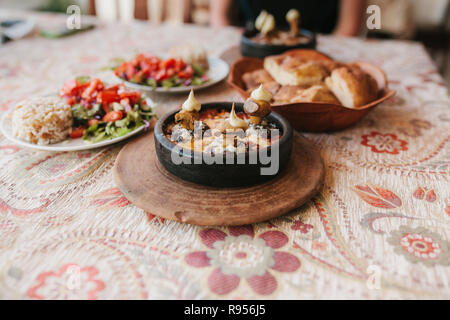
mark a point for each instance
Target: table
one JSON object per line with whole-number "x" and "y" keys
{"x": 379, "y": 229}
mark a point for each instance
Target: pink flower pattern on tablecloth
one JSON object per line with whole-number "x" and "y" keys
{"x": 377, "y": 196}
{"x": 422, "y": 247}
{"x": 69, "y": 282}
{"x": 384, "y": 143}
{"x": 301, "y": 226}
{"x": 241, "y": 255}
{"x": 110, "y": 198}
{"x": 419, "y": 245}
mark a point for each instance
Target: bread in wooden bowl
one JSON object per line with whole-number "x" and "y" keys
{"x": 312, "y": 116}
{"x": 352, "y": 86}
{"x": 295, "y": 71}
{"x": 316, "y": 93}
{"x": 253, "y": 79}
{"x": 287, "y": 93}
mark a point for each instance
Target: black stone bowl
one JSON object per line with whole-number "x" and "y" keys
{"x": 249, "y": 48}
{"x": 196, "y": 169}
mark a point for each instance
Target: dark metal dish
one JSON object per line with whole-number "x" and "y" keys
{"x": 250, "y": 48}
{"x": 195, "y": 169}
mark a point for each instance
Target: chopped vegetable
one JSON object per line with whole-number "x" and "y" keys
{"x": 154, "y": 72}
{"x": 104, "y": 112}
{"x": 112, "y": 116}
{"x": 77, "y": 132}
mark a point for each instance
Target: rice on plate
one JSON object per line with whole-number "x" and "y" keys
{"x": 42, "y": 120}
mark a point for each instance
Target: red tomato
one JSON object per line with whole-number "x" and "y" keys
{"x": 71, "y": 100}
{"x": 179, "y": 65}
{"x": 161, "y": 75}
{"x": 132, "y": 96}
{"x": 138, "y": 76}
{"x": 114, "y": 87}
{"x": 186, "y": 73}
{"x": 130, "y": 71}
{"x": 113, "y": 116}
{"x": 125, "y": 102}
{"x": 170, "y": 72}
{"x": 94, "y": 85}
{"x": 91, "y": 122}
{"x": 73, "y": 88}
{"x": 77, "y": 132}
{"x": 68, "y": 87}
{"x": 169, "y": 63}
{"x": 108, "y": 96}
{"x": 122, "y": 69}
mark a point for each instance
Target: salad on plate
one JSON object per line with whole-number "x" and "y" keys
{"x": 155, "y": 72}
{"x": 101, "y": 111}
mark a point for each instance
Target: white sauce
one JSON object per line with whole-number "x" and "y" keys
{"x": 235, "y": 121}
{"x": 191, "y": 103}
{"x": 261, "y": 94}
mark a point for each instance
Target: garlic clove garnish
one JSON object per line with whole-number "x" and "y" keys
{"x": 261, "y": 94}
{"x": 191, "y": 104}
{"x": 235, "y": 121}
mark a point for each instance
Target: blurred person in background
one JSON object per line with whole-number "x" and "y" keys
{"x": 342, "y": 18}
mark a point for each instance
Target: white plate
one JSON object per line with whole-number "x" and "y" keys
{"x": 66, "y": 145}
{"x": 218, "y": 70}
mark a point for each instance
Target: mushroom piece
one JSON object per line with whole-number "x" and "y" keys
{"x": 189, "y": 112}
{"x": 258, "y": 105}
{"x": 257, "y": 110}
{"x": 187, "y": 119}
{"x": 293, "y": 18}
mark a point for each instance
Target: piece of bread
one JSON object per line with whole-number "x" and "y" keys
{"x": 294, "y": 71}
{"x": 287, "y": 93}
{"x": 331, "y": 65}
{"x": 316, "y": 93}
{"x": 254, "y": 78}
{"x": 272, "y": 87}
{"x": 352, "y": 86}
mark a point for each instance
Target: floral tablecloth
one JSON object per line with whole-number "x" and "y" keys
{"x": 379, "y": 229}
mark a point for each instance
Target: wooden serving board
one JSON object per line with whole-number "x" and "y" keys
{"x": 142, "y": 179}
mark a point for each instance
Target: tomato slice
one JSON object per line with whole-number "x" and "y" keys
{"x": 179, "y": 65}
{"x": 94, "y": 86}
{"x": 170, "y": 72}
{"x": 70, "y": 100}
{"x": 186, "y": 73}
{"x": 132, "y": 96}
{"x": 73, "y": 88}
{"x": 91, "y": 122}
{"x": 77, "y": 132}
{"x": 106, "y": 97}
{"x": 130, "y": 71}
{"x": 169, "y": 63}
{"x": 161, "y": 75}
{"x": 113, "y": 116}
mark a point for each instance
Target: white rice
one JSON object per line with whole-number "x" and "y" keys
{"x": 42, "y": 120}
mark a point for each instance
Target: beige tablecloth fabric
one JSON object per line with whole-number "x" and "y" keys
{"x": 379, "y": 229}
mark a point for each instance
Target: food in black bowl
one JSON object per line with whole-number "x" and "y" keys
{"x": 224, "y": 144}
{"x": 265, "y": 39}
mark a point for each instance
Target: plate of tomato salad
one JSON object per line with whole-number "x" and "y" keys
{"x": 150, "y": 73}
{"x": 102, "y": 115}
